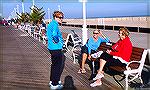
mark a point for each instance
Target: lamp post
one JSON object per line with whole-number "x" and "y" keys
{"x": 32, "y": 7}
{"x": 58, "y": 7}
{"x": 22, "y": 6}
{"x": 15, "y": 13}
{"x": 48, "y": 14}
{"x": 84, "y": 29}
{"x": 33, "y": 2}
{"x": 17, "y": 9}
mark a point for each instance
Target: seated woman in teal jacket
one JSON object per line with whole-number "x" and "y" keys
{"x": 90, "y": 47}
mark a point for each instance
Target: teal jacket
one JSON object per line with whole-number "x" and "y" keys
{"x": 53, "y": 30}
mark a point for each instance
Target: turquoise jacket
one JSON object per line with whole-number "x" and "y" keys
{"x": 92, "y": 45}
{"x": 53, "y": 30}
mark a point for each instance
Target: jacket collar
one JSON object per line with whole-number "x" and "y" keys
{"x": 53, "y": 20}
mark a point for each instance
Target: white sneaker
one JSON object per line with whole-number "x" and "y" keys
{"x": 97, "y": 54}
{"x": 50, "y": 83}
{"x": 95, "y": 84}
{"x": 57, "y": 87}
{"x": 98, "y": 76}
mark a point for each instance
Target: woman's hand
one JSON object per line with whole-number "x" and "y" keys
{"x": 89, "y": 57}
{"x": 108, "y": 51}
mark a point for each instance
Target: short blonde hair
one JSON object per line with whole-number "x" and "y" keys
{"x": 125, "y": 31}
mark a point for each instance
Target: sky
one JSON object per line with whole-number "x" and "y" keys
{"x": 73, "y": 8}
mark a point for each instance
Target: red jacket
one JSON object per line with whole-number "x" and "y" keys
{"x": 123, "y": 49}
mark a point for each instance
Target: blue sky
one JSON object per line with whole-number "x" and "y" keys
{"x": 73, "y": 8}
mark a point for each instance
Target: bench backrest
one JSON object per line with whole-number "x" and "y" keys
{"x": 136, "y": 56}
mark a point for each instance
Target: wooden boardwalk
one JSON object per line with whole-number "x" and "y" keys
{"x": 25, "y": 65}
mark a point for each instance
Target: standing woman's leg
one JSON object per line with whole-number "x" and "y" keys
{"x": 56, "y": 66}
{"x": 62, "y": 62}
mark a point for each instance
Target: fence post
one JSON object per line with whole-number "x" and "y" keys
{"x": 138, "y": 29}
{"x": 113, "y": 28}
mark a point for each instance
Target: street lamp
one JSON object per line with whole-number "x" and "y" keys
{"x": 84, "y": 29}
{"x": 58, "y": 7}
{"x": 17, "y": 9}
{"x": 48, "y": 14}
{"x": 15, "y": 13}
{"x": 32, "y": 7}
{"x": 33, "y": 2}
{"x": 22, "y": 6}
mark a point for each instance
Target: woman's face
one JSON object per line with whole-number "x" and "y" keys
{"x": 59, "y": 19}
{"x": 121, "y": 36}
{"x": 95, "y": 34}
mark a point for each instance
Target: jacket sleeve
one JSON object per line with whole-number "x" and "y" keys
{"x": 105, "y": 40}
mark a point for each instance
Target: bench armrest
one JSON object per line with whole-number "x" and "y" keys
{"x": 128, "y": 67}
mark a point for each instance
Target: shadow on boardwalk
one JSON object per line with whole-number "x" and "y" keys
{"x": 25, "y": 65}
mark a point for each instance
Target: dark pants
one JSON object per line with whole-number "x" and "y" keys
{"x": 110, "y": 61}
{"x": 57, "y": 65}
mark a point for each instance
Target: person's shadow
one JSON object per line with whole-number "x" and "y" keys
{"x": 69, "y": 84}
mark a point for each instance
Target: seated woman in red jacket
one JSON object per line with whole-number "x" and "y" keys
{"x": 119, "y": 54}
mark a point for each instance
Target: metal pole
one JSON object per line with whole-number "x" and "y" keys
{"x": 17, "y": 9}
{"x": 22, "y": 7}
{"x": 58, "y": 7}
{"x": 48, "y": 14}
{"x": 15, "y": 13}
{"x": 84, "y": 29}
{"x": 33, "y": 2}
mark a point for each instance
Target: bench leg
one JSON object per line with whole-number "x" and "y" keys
{"x": 93, "y": 67}
{"x": 141, "y": 79}
{"x": 127, "y": 82}
{"x": 74, "y": 58}
{"x": 39, "y": 38}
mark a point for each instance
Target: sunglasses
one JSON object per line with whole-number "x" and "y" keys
{"x": 95, "y": 33}
{"x": 60, "y": 17}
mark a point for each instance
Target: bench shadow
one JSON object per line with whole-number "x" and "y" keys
{"x": 134, "y": 84}
{"x": 115, "y": 75}
{"x": 69, "y": 83}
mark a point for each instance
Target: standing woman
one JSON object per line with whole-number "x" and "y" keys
{"x": 118, "y": 55}
{"x": 55, "y": 44}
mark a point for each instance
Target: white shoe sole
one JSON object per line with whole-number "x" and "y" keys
{"x": 95, "y": 84}
{"x": 98, "y": 76}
